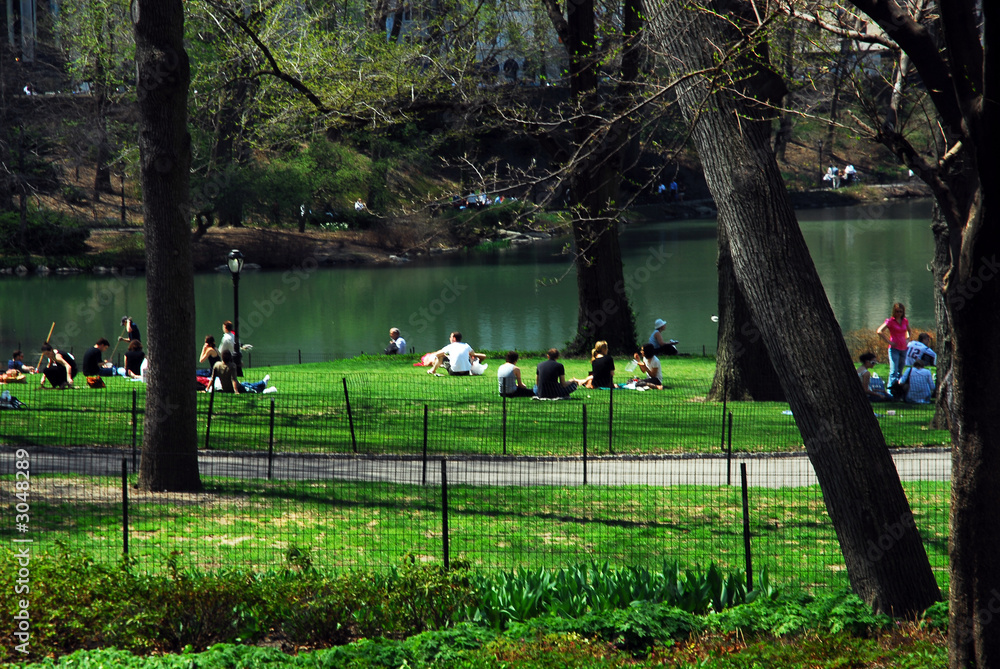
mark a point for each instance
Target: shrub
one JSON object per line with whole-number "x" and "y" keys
{"x": 47, "y": 234}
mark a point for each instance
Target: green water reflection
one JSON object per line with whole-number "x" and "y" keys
{"x": 519, "y": 298}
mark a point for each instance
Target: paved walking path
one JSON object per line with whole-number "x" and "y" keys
{"x": 763, "y": 470}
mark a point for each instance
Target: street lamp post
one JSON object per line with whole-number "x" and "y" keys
{"x": 235, "y": 262}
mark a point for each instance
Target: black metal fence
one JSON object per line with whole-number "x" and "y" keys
{"x": 361, "y": 473}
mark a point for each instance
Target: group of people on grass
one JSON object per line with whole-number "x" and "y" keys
{"x": 459, "y": 359}
{"x": 59, "y": 367}
{"x": 909, "y": 378}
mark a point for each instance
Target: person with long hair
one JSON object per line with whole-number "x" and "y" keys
{"x": 602, "y": 367}
{"x": 898, "y": 328}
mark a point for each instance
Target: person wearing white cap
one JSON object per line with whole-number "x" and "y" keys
{"x": 661, "y": 347}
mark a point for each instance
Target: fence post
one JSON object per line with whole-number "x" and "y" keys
{"x": 424, "y": 476}
{"x": 611, "y": 416}
{"x": 729, "y": 452}
{"x": 444, "y": 510}
{"x": 270, "y": 445}
{"x": 746, "y": 527}
{"x": 135, "y": 427}
{"x": 208, "y": 420}
{"x": 725, "y": 396}
{"x": 124, "y": 506}
{"x": 584, "y": 444}
{"x": 504, "y": 425}
{"x": 350, "y": 418}
{"x": 300, "y": 356}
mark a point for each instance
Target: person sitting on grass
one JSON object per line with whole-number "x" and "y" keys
{"x": 509, "y": 378}
{"x": 133, "y": 359}
{"x": 917, "y": 384}
{"x": 225, "y": 372}
{"x": 460, "y": 357}
{"x": 93, "y": 360}
{"x": 874, "y": 392}
{"x": 650, "y": 364}
{"x": 602, "y": 367}
{"x": 17, "y": 362}
{"x": 210, "y": 354}
{"x": 550, "y": 378}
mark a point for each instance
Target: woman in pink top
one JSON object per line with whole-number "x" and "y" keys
{"x": 899, "y": 336}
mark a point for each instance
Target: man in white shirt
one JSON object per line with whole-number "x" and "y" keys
{"x": 397, "y": 345}
{"x": 460, "y": 357}
{"x": 920, "y": 350}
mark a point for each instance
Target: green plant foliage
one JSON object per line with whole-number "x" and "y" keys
{"x": 47, "y": 234}
{"x": 599, "y": 588}
{"x": 834, "y": 612}
{"x": 634, "y": 629}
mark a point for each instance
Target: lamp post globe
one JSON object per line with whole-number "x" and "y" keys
{"x": 235, "y": 262}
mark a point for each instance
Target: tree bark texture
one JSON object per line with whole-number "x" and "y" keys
{"x": 743, "y": 368}
{"x": 962, "y": 83}
{"x": 885, "y": 557}
{"x": 169, "y": 446}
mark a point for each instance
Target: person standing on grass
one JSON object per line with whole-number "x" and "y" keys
{"x": 132, "y": 330}
{"x": 898, "y": 328}
{"x": 509, "y": 378}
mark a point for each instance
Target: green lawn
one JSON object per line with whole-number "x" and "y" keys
{"x": 254, "y": 523}
{"x": 388, "y": 398}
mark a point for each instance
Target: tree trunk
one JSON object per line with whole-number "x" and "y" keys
{"x": 885, "y": 557}
{"x": 943, "y": 344}
{"x": 604, "y": 312}
{"x": 743, "y": 369}
{"x": 169, "y": 446}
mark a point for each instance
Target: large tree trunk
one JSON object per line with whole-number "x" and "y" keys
{"x": 973, "y": 293}
{"x": 604, "y": 311}
{"x": 743, "y": 369}
{"x": 886, "y": 561}
{"x": 169, "y": 446}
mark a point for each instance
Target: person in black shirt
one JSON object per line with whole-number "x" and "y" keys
{"x": 550, "y": 378}
{"x": 602, "y": 367}
{"x": 133, "y": 360}
{"x": 60, "y": 367}
{"x": 131, "y": 328}
{"x": 93, "y": 360}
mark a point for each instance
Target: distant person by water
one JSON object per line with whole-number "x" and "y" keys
{"x": 397, "y": 345}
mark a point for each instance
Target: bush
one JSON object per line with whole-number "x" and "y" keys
{"x": 47, "y": 234}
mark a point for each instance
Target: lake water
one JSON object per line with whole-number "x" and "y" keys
{"x": 525, "y": 298}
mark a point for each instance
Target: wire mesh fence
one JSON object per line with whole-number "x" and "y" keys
{"x": 363, "y": 471}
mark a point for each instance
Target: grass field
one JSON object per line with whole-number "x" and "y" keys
{"x": 388, "y": 398}
{"x": 343, "y": 524}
